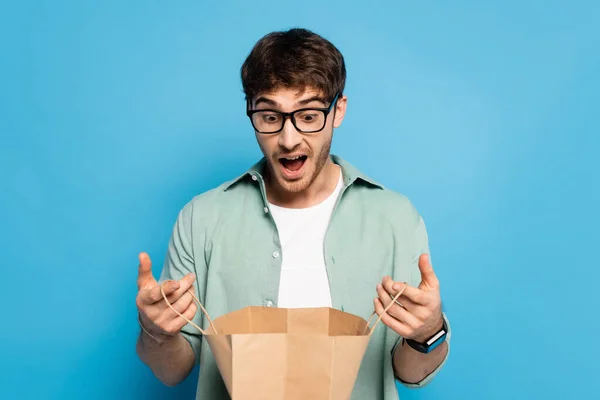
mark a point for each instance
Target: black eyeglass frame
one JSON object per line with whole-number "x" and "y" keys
{"x": 290, "y": 115}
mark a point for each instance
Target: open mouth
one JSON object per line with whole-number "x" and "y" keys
{"x": 293, "y": 163}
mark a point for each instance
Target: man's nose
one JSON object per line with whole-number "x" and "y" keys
{"x": 289, "y": 137}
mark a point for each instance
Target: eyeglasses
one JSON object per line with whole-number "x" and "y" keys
{"x": 305, "y": 120}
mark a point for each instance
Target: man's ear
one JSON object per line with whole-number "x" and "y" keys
{"x": 340, "y": 111}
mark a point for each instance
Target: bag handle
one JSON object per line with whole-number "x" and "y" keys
{"x": 215, "y": 329}
{"x": 384, "y": 311}
{"x": 162, "y": 291}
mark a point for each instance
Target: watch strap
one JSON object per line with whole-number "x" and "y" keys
{"x": 431, "y": 343}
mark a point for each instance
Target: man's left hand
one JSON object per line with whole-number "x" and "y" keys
{"x": 420, "y": 315}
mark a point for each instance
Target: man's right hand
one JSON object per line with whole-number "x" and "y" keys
{"x": 156, "y": 316}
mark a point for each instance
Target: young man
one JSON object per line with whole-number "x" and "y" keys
{"x": 301, "y": 228}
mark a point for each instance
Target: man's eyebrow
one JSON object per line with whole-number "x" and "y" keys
{"x": 266, "y": 101}
{"x": 273, "y": 103}
{"x": 311, "y": 99}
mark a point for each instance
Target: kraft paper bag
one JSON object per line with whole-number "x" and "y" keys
{"x": 266, "y": 353}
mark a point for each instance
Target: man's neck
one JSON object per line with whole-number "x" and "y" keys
{"x": 317, "y": 192}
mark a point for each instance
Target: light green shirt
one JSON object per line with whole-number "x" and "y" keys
{"x": 227, "y": 237}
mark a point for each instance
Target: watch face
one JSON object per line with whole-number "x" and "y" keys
{"x": 430, "y": 344}
{"x": 435, "y": 337}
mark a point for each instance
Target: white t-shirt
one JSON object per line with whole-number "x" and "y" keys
{"x": 304, "y": 281}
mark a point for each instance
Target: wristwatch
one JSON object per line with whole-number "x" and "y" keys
{"x": 431, "y": 343}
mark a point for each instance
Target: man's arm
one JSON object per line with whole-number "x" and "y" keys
{"x": 160, "y": 344}
{"x": 418, "y": 316}
{"x": 167, "y": 343}
{"x": 412, "y": 366}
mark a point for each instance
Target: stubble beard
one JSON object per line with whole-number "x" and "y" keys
{"x": 307, "y": 180}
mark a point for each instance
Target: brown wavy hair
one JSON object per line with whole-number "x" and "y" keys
{"x": 296, "y": 58}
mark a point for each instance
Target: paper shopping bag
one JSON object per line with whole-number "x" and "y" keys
{"x": 266, "y": 353}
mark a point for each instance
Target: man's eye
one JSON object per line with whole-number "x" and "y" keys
{"x": 270, "y": 118}
{"x": 309, "y": 117}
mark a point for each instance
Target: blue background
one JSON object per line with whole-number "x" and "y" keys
{"x": 113, "y": 114}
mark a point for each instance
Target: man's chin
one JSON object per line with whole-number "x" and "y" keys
{"x": 293, "y": 186}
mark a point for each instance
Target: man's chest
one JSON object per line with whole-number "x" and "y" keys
{"x": 357, "y": 250}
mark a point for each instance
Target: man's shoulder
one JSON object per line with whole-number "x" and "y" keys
{"x": 375, "y": 192}
{"x": 393, "y": 203}
{"x": 215, "y": 197}
{"x": 223, "y": 198}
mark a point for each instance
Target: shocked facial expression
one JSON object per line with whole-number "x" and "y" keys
{"x": 296, "y": 150}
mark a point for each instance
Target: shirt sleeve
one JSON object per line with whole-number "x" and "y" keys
{"x": 184, "y": 255}
{"x": 420, "y": 245}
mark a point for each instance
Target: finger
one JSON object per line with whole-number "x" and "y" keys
{"x": 393, "y": 288}
{"x": 186, "y": 283}
{"x": 384, "y": 296}
{"x": 408, "y": 303}
{"x": 417, "y": 296}
{"x": 155, "y": 295}
{"x": 180, "y": 305}
{"x": 428, "y": 278}
{"x": 173, "y": 297}
{"x": 404, "y": 316}
{"x": 400, "y": 313}
{"x": 388, "y": 285}
{"x": 145, "y": 278}
{"x": 179, "y": 322}
{"x": 399, "y": 327}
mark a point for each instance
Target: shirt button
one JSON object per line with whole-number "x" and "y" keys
{"x": 269, "y": 303}
{"x": 275, "y": 254}
{"x": 254, "y": 178}
{"x": 266, "y": 210}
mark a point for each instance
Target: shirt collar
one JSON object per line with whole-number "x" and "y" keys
{"x": 349, "y": 172}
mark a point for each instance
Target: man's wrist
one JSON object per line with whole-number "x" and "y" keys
{"x": 429, "y": 341}
{"x": 427, "y": 335}
{"x": 156, "y": 338}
